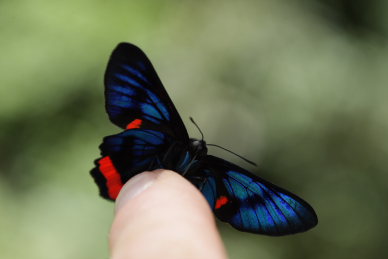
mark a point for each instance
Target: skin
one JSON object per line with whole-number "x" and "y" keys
{"x": 160, "y": 214}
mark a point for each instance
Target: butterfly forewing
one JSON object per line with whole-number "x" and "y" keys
{"x": 133, "y": 91}
{"x": 252, "y": 204}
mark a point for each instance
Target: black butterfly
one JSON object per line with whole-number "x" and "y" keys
{"x": 155, "y": 137}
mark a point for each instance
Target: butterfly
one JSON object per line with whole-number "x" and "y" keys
{"x": 155, "y": 137}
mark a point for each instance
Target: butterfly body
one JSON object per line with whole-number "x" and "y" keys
{"x": 155, "y": 137}
{"x": 182, "y": 157}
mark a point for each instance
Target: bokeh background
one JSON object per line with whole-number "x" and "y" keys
{"x": 298, "y": 86}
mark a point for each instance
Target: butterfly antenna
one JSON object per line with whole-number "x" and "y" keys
{"x": 200, "y": 131}
{"x": 243, "y": 158}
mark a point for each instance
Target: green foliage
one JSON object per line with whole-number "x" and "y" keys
{"x": 275, "y": 81}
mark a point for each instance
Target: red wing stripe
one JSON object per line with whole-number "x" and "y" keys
{"x": 221, "y": 201}
{"x": 112, "y": 176}
{"x": 135, "y": 124}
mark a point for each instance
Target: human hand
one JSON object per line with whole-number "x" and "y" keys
{"x": 160, "y": 214}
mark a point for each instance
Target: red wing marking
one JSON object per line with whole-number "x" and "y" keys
{"x": 112, "y": 176}
{"x": 135, "y": 124}
{"x": 221, "y": 201}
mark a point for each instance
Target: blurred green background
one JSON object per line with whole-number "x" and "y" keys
{"x": 298, "y": 86}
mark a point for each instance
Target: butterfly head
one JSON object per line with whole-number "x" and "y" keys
{"x": 198, "y": 147}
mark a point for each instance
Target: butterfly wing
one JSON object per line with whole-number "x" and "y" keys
{"x": 137, "y": 101}
{"x": 135, "y": 94}
{"x": 252, "y": 204}
{"x": 125, "y": 155}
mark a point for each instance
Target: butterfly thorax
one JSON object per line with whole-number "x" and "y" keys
{"x": 182, "y": 157}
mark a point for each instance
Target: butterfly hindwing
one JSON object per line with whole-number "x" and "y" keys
{"x": 133, "y": 91}
{"x": 125, "y": 155}
{"x": 252, "y": 204}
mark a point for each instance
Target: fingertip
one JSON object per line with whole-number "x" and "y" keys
{"x": 134, "y": 187}
{"x": 163, "y": 209}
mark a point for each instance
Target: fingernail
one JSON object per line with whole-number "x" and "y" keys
{"x": 136, "y": 185}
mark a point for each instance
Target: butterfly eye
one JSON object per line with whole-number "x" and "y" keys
{"x": 199, "y": 144}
